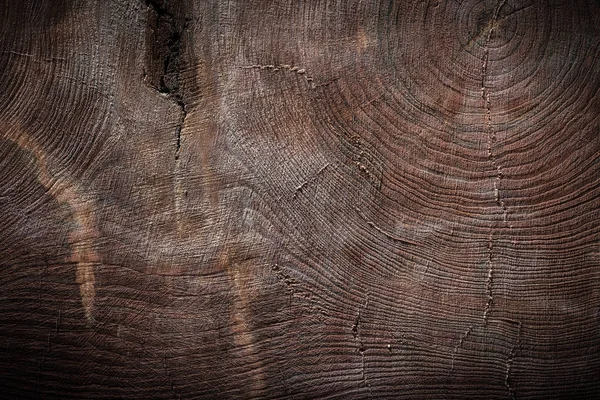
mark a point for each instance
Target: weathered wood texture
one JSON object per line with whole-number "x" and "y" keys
{"x": 300, "y": 199}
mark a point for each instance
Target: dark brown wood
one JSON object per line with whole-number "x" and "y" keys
{"x": 300, "y": 199}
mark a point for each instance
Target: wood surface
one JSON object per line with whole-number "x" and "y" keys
{"x": 300, "y": 199}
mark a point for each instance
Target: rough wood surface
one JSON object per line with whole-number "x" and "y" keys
{"x": 300, "y": 199}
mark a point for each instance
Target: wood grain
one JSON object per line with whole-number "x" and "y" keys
{"x": 300, "y": 199}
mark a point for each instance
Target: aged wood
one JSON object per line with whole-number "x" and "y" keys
{"x": 300, "y": 199}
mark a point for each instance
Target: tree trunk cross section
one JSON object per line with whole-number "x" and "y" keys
{"x": 300, "y": 199}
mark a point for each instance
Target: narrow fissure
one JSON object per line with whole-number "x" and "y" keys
{"x": 485, "y": 94}
{"x": 164, "y": 59}
{"x": 509, "y": 364}
{"x": 356, "y": 333}
{"x": 461, "y": 341}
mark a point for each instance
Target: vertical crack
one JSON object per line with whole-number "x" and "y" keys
{"x": 283, "y": 67}
{"x": 509, "y": 363}
{"x": 166, "y": 29}
{"x": 179, "y": 128}
{"x": 461, "y": 341}
{"x": 490, "y": 277}
{"x": 491, "y": 134}
{"x": 491, "y": 140}
{"x": 356, "y": 333}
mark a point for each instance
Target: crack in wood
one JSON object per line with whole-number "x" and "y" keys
{"x": 489, "y": 280}
{"x": 169, "y": 34}
{"x": 300, "y": 187}
{"x": 356, "y": 333}
{"x": 168, "y": 30}
{"x": 180, "y": 126}
{"x": 461, "y": 341}
{"x": 491, "y": 156}
{"x": 364, "y": 375}
{"x": 383, "y": 232}
{"x": 509, "y": 363}
{"x": 513, "y": 12}
{"x": 284, "y": 67}
{"x": 33, "y": 57}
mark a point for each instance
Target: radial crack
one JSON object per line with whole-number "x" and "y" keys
{"x": 356, "y": 333}
{"x": 283, "y": 67}
{"x": 300, "y": 187}
{"x": 509, "y": 363}
{"x": 491, "y": 134}
{"x": 490, "y": 278}
{"x": 485, "y": 93}
{"x": 461, "y": 341}
{"x": 180, "y": 126}
{"x": 383, "y": 232}
{"x": 167, "y": 25}
{"x": 167, "y": 30}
